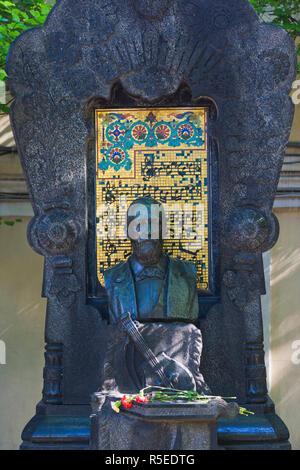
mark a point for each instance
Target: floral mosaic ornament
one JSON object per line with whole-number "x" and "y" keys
{"x": 162, "y": 394}
{"x": 124, "y": 130}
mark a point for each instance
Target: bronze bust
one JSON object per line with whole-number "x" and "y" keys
{"x": 151, "y": 285}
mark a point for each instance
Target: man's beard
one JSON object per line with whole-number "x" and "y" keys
{"x": 147, "y": 252}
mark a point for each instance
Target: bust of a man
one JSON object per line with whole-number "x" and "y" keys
{"x": 151, "y": 285}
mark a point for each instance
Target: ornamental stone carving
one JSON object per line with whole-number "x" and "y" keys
{"x": 54, "y": 232}
{"x": 250, "y": 229}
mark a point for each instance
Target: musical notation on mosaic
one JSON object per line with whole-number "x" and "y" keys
{"x": 112, "y": 191}
{"x": 161, "y": 153}
{"x": 151, "y": 169}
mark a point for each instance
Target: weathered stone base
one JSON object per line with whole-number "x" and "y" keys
{"x": 68, "y": 427}
{"x": 174, "y": 425}
{"x": 264, "y": 430}
{"x": 57, "y": 427}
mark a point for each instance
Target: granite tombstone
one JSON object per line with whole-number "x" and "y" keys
{"x": 107, "y": 54}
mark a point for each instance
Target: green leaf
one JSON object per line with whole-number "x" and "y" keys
{"x": 45, "y": 9}
{"x": 4, "y": 108}
{"x": 15, "y": 14}
{"x": 36, "y": 15}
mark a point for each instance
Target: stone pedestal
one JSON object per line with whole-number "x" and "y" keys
{"x": 175, "y": 425}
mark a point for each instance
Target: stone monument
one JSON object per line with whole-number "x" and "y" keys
{"x": 177, "y": 100}
{"x": 153, "y": 345}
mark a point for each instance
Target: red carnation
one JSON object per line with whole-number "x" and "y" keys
{"x": 141, "y": 399}
{"x": 125, "y": 402}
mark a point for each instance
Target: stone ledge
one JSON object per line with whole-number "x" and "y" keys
{"x": 174, "y": 425}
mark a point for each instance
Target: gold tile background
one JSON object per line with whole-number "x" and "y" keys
{"x": 179, "y": 174}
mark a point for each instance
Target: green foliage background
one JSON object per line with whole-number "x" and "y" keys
{"x": 15, "y": 17}
{"x": 18, "y": 15}
{"x": 284, "y": 13}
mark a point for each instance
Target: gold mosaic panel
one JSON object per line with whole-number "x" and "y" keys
{"x": 161, "y": 153}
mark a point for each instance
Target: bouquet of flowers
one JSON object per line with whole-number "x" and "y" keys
{"x": 163, "y": 394}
